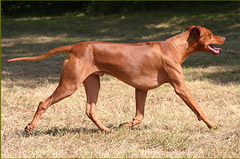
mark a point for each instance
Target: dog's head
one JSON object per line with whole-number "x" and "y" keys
{"x": 205, "y": 39}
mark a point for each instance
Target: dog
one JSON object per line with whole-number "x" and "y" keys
{"x": 144, "y": 66}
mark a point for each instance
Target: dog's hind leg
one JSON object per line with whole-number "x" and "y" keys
{"x": 140, "y": 96}
{"x": 92, "y": 86}
{"x": 72, "y": 75}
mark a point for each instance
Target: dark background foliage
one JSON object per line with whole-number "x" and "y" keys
{"x": 53, "y": 8}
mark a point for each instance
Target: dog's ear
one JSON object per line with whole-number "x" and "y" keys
{"x": 195, "y": 31}
{"x": 189, "y": 28}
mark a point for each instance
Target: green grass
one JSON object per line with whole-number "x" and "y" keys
{"x": 169, "y": 129}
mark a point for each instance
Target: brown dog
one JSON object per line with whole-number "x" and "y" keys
{"x": 144, "y": 66}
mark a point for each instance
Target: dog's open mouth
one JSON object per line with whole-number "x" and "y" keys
{"x": 214, "y": 49}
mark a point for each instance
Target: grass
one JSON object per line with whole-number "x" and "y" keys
{"x": 170, "y": 129}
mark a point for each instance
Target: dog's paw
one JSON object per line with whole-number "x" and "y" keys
{"x": 213, "y": 126}
{"x": 107, "y": 131}
{"x": 28, "y": 129}
{"x": 126, "y": 124}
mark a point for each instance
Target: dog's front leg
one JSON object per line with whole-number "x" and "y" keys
{"x": 183, "y": 92}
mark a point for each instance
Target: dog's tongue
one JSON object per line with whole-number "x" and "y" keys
{"x": 213, "y": 48}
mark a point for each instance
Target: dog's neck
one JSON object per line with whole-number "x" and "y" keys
{"x": 183, "y": 46}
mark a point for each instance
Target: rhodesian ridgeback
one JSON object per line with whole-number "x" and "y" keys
{"x": 144, "y": 66}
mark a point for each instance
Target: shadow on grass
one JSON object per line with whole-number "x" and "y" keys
{"x": 224, "y": 77}
{"x": 129, "y": 28}
{"x": 55, "y": 131}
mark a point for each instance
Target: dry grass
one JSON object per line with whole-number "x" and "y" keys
{"x": 170, "y": 129}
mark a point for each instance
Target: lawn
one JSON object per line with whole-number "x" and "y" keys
{"x": 170, "y": 128}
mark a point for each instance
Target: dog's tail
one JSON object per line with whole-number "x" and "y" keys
{"x": 65, "y": 49}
